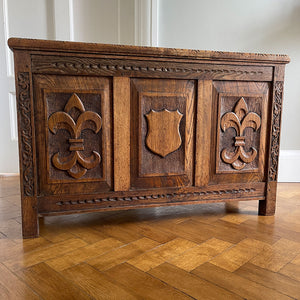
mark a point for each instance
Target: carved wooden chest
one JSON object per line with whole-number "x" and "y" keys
{"x": 108, "y": 127}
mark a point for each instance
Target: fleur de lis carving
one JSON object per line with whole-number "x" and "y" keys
{"x": 75, "y": 163}
{"x": 240, "y": 119}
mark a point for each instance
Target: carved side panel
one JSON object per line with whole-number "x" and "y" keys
{"x": 239, "y": 135}
{"x": 241, "y": 121}
{"x": 75, "y": 163}
{"x": 74, "y": 134}
{"x": 162, "y": 137}
{"x": 278, "y": 93}
{"x": 25, "y": 133}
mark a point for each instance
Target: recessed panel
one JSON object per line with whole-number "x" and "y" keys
{"x": 162, "y": 136}
{"x": 240, "y": 134}
{"x": 75, "y": 138}
{"x": 163, "y": 122}
{"x": 240, "y": 121}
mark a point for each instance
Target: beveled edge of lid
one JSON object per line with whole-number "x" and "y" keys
{"x": 94, "y": 48}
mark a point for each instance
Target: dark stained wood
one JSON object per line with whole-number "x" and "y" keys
{"x": 135, "y": 199}
{"x": 73, "y": 112}
{"x": 242, "y": 120}
{"x": 155, "y": 162}
{"x": 108, "y": 65}
{"x": 268, "y": 206}
{"x": 203, "y": 133}
{"x": 75, "y": 164}
{"x": 110, "y": 127}
{"x": 27, "y": 159}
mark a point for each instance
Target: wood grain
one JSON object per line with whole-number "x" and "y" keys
{"x": 165, "y": 164}
{"x": 53, "y": 94}
{"x": 72, "y": 258}
{"x": 192, "y": 258}
{"x": 46, "y": 281}
{"x": 144, "y": 285}
{"x": 239, "y": 285}
{"x": 276, "y": 281}
{"x": 119, "y": 255}
{"x": 203, "y": 133}
{"x": 291, "y": 270}
{"x": 157, "y": 256}
{"x": 11, "y": 287}
{"x": 95, "y": 284}
{"x": 251, "y": 100}
{"x": 277, "y": 256}
{"x": 36, "y": 257}
{"x": 191, "y": 284}
{"x": 238, "y": 255}
{"x": 121, "y": 107}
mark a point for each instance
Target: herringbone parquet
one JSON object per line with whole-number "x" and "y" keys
{"x": 209, "y": 251}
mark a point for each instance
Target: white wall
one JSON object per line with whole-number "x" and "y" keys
{"x": 267, "y": 26}
{"x": 18, "y": 18}
{"x": 104, "y": 21}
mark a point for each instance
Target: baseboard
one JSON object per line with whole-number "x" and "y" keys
{"x": 2, "y": 175}
{"x": 289, "y": 166}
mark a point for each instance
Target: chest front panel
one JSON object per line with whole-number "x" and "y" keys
{"x": 104, "y": 127}
{"x": 162, "y": 135}
{"x": 73, "y": 133}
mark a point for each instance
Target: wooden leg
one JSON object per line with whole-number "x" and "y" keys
{"x": 30, "y": 226}
{"x": 267, "y": 207}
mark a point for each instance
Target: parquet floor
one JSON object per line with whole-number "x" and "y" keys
{"x": 209, "y": 251}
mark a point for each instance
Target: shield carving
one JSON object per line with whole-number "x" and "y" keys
{"x": 163, "y": 135}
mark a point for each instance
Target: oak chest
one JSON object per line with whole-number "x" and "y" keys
{"x": 109, "y": 127}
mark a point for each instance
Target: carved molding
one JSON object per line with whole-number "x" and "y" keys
{"x": 163, "y": 135}
{"x": 273, "y": 168}
{"x": 89, "y": 66}
{"x": 75, "y": 164}
{"x": 156, "y": 196}
{"x": 240, "y": 119}
{"x": 24, "y": 110}
{"x": 92, "y": 68}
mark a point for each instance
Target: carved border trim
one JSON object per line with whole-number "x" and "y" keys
{"x": 157, "y": 196}
{"x": 25, "y": 129}
{"x": 90, "y": 66}
{"x": 277, "y": 105}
